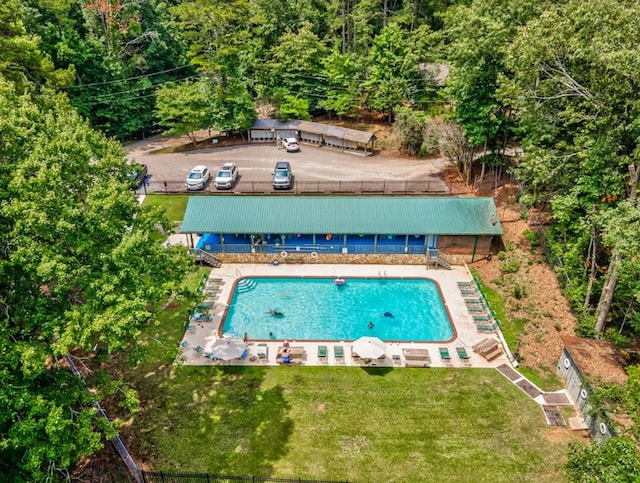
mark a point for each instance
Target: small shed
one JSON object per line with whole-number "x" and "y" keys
{"x": 345, "y": 139}
{"x": 584, "y": 364}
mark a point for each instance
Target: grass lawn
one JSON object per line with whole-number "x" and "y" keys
{"x": 174, "y": 204}
{"x": 392, "y": 425}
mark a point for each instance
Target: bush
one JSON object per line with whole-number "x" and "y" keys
{"x": 510, "y": 264}
{"x": 532, "y": 236}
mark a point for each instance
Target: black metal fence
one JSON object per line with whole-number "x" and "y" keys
{"x": 179, "y": 477}
{"x": 433, "y": 185}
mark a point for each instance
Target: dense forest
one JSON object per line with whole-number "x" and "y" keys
{"x": 560, "y": 79}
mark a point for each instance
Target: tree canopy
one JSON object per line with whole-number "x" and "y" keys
{"x": 79, "y": 270}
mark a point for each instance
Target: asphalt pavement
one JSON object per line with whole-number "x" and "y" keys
{"x": 256, "y": 162}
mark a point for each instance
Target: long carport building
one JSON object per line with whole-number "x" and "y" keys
{"x": 345, "y": 139}
{"x": 460, "y": 228}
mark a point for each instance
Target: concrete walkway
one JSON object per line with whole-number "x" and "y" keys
{"x": 203, "y": 333}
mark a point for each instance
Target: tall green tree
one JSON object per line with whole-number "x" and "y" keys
{"x": 574, "y": 85}
{"x": 184, "y": 108}
{"x": 393, "y": 74}
{"x": 80, "y": 269}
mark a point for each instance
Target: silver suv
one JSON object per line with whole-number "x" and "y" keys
{"x": 282, "y": 175}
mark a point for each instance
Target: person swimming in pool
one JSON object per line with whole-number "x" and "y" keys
{"x": 388, "y": 315}
{"x": 275, "y": 313}
{"x": 370, "y": 325}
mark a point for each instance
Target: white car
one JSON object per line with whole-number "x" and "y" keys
{"x": 198, "y": 178}
{"x": 290, "y": 144}
{"x": 226, "y": 176}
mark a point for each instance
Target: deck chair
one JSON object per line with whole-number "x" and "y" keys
{"x": 445, "y": 356}
{"x": 184, "y": 344}
{"x": 198, "y": 349}
{"x": 263, "y": 352}
{"x": 478, "y": 307}
{"x": 470, "y": 292}
{"x": 463, "y": 356}
{"x": 322, "y": 353}
{"x": 469, "y": 284}
{"x": 484, "y": 317}
{"x": 338, "y": 353}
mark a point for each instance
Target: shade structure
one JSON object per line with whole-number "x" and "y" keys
{"x": 228, "y": 348}
{"x": 369, "y": 347}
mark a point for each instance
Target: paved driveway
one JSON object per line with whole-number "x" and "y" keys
{"x": 312, "y": 164}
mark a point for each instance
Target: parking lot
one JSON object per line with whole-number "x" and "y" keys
{"x": 315, "y": 169}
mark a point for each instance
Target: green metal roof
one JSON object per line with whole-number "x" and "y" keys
{"x": 341, "y": 215}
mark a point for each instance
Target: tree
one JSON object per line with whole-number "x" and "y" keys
{"x": 622, "y": 234}
{"x": 184, "y": 108}
{"x": 409, "y": 128}
{"x": 580, "y": 132}
{"x": 21, "y": 59}
{"x": 79, "y": 269}
{"x": 294, "y": 65}
{"x": 614, "y": 461}
{"x": 393, "y": 76}
{"x": 342, "y": 71}
{"x": 455, "y": 147}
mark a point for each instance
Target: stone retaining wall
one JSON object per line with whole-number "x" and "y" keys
{"x": 355, "y": 259}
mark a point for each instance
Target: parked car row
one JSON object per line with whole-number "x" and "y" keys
{"x": 227, "y": 176}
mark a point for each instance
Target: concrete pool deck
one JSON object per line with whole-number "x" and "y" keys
{"x": 201, "y": 335}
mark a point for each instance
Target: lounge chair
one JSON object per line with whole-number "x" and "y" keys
{"x": 484, "y": 317}
{"x": 445, "y": 356}
{"x": 463, "y": 356}
{"x": 263, "y": 352}
{"x": 489, "y": 349}
{"x": 475, "y": 299}
{"x": 478, "y": 307}
{"x": 198, "y": 349}
{"x": 322, "y": 353}
{"x": 338, "y": 353}
{"x": 471, "y": 291}
{"x": 469, "y": 284}
{"x": 184, "y": 344}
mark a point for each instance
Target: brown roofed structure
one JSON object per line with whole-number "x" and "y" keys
{"x": 597, "y": 360}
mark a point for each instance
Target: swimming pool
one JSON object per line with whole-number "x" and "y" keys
{"x": 318, "y": 309}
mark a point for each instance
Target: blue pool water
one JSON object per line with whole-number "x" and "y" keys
{"x": 316, "y": 308}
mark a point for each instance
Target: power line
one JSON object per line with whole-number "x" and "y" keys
{"x": 78, "y": 86}
{"x": 115, "y": 94}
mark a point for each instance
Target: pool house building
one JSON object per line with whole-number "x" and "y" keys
{"x": 454, "y": 228}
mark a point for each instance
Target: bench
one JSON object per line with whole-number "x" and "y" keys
{"x": 416, "y": 355}
{"x": 297, "y": 355}
{"x": 417, "y": 364}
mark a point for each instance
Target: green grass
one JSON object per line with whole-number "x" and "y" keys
{"x": 335, "y": 422}
{"x": 546, "y": 379}
{"x": 175, "y": 205}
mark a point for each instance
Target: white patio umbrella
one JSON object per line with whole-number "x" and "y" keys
{"x": 369, "y": 347}
{"x": 228, "y": 348}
